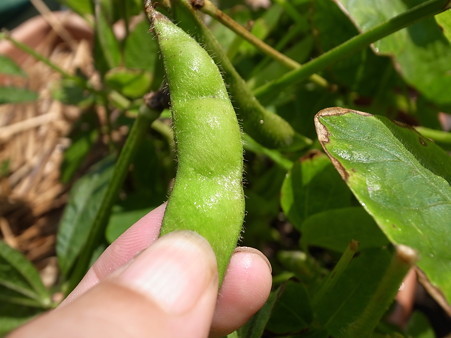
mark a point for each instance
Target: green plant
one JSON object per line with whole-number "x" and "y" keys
{"x": 208, "y": 195}
{"x": 342, "y": 218}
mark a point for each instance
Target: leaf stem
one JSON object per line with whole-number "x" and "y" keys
{"x": 144, "y": 119}
{"x": 290, "y": 10}
{"x": 360, "y": 41}
{"x": 401, "y": 262}
{"x": 209, "y": 8}
{"x": 37, "y": 56}
{"x": 337, "y": 271}
{"x": 251, "y": 145}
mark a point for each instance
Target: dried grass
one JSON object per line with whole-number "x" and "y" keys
{"x": 33, "y": 137}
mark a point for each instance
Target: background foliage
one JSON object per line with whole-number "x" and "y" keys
{"x": 334, "y": 230}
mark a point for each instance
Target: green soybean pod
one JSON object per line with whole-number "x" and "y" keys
{"x": 207, "y": 196}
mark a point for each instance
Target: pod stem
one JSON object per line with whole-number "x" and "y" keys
{"x": 145, "y": 117}
{"x": 207, "y": 7}
{"x": 426, "y": 9}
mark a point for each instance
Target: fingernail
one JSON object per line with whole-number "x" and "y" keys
{"x": 174, "y": 272}
{"x": 253, "y": 251}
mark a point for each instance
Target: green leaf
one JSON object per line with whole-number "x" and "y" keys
{"x": 312, "y": 186}
{"x": 299, "y": 52}
{"x": 129, "y": 82}
{"x": 84, "y": 202}
{"x": 16, "y": 95}
{"x": 262, "y": 27}
{"x": 13, "y": 315}
{"x": 334, "y": 229}
{"x": 72, "y": 92}
{"x": 292, "y": 311}
{"x": 109, "y": 45}
{"x": 419, "y": 326}
{"x": 444, "y": 20}
{"x": 76, "y": 154}
{"x": 303, "y": 266}
{"x": 20, "y": 282}
{"x": 82, "y": 7}
{"x": 402, "y": 180}
{"x": 357, "y": 300}
{"x": 8, "y": 66}
{"x": 421, "y": 51}
{"x": 359, "y": 71}
{"x": 140, "y": 50}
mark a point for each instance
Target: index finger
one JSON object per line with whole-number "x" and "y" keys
{"x": 135, "y": 239}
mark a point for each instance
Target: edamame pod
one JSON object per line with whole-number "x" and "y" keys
{"x": 207, "y": 196}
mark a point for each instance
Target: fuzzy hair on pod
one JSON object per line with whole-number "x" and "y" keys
{"x": 207, "y": 196}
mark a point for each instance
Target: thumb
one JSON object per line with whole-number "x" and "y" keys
{"x": 169, "y": 290}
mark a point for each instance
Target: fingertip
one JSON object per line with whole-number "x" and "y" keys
{"x": 245, "y": 290}
{"x": 174, "y": 272}
{"x": 134, "y": 240}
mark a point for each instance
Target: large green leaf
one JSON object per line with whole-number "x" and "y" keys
{"x": 84, "y": 202}
{"x": 402, "y": 180}
{"x": 20, "y": 282}
{"x": 422, "y": 52}
{"x": 334, "y": 229}
{"x": 292, "y": 311}
{"x": 16, "y": 95}
{"x": 311, "y": 186}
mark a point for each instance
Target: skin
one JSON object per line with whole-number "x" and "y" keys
{"x": 121, "y": 295}
{"x": 208, "y": 186}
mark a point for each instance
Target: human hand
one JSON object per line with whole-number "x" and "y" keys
{"x": 142, "y": 286}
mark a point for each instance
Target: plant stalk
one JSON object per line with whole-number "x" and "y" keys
{"x": 209, "y": 8}
{"x": 426, "y": 9}
{"x": 145, "y": 117}
{"x": 337, "y": 271}
{"x": 403, "y": 259}
{"x": 38, "y": 56}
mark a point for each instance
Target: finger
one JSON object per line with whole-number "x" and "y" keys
{"x": 246, "y": 288}
{"x": 135, "y": 239}
{"x": 169, "y": 290}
